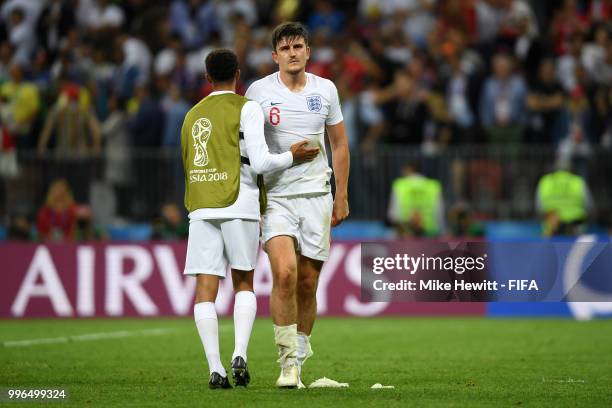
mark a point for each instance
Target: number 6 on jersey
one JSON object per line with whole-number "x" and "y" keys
{"x": 274, "y": 116}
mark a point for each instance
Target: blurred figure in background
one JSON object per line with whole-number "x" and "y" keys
{"x": 172, "y": 225}
{"x": 576, "y": 150}
{"x": 22, "y": 101}
{"x": 87, "y": 230}
{"x": 73, "y": 122}
{"x": 416, "y": 205}
{"x": 545, "y": 101}
{"x": 564, "y": 201}
{"x": 19, "y": 228}
{"x": 502, "y": 103}
{"x": 461, "y": 222}
{"x": 57, "y": 218}
{"x": 118, "y": 153}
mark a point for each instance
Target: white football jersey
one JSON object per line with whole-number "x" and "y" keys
{"x": 292, "y": 117}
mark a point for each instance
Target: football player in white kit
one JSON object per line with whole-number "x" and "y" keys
{"x": 226, "y": 235}
{"x": 300, "y": 212}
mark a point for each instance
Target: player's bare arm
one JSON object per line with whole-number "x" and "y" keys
{"x": 341, "y": 163}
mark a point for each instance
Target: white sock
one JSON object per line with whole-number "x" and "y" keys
{"x": 304, "y": 350}
{"x": 303, "y": 347}
{"x": 286, "y": 340}
{"x": 245, "y": 309}
{"x": 205, "y": 317}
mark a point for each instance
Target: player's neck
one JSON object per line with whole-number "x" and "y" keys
{"x": 224, "y": 86}
{"x": 294, "y": 82}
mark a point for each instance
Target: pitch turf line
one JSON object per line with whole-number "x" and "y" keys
{"x": 88, "y": 337}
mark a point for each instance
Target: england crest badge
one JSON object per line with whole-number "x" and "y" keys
{"x": 314, "y": 103}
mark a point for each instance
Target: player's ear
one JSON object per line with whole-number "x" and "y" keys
{"x": 209, "y": 79}
{"x": 275, "y": 57}
{"x": 307, "y": 53}
{"x": 237, "y": 76}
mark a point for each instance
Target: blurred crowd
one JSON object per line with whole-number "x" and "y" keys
{"x": 103, "y": 77}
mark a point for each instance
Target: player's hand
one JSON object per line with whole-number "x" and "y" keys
{"x": 302, "y": 154}
{"x": 340, "y": 211}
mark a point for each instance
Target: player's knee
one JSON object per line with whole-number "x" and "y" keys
{"x": 206, "y": 289}
{"x": 307, "y": 287}
{"x": 285, "y": 280}
{"x": 242, "y": 281}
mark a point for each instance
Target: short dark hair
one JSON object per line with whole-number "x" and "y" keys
{"x": 221, "y": 65}
{"x": 290, "y": 30}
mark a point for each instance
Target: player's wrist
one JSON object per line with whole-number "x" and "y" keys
{"x": 341, "y": 195}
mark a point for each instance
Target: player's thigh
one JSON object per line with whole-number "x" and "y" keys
{"x": 241, "y": 241}
{"x": 205, "y": 249}
{"x": 315, "y": 227}
{"x": 280, "y": 219}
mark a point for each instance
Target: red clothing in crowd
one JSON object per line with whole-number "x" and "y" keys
{"x": 53, "y": 224}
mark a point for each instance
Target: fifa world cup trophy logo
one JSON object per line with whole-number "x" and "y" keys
{"x": 201, "y": 130}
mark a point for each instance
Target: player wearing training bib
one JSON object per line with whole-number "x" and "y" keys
{"x": 223, "y": 149}
{"x": 299, "y": 106}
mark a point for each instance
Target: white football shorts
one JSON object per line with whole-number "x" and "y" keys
{"x": 307, "y": 218}
{"x": 213, "y": 244}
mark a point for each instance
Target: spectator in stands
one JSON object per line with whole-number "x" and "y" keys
{"x": 461, "y": 222}
{"x": 8, "y": 152}
{"x": 136, "y": 54}
{"x": 6, "y": 55}
{"x": 409, "y": 112}
{"x": 193, "y": 21}
{"x": 74, "y": 123}
{"x": 56, "y": 20}
{"x": 176, "y": 107}
{"x": 124, "y": 76}
{"x": 21, "y": 36}
{"x": 459, "y": 91}
{"x": 576, "y": 149}
{"x": 567, "y": 23}
{"x": 595, "y": 53}
{"x": 563, "y": 200}
{"x": 146, "y": 125}
{"x": 502, "y": 102}
{"x": 419, "y": 20}
{"x": 172, "y": 225}
{"x": 416, "y": 205}
{"x": 100, "y": 18}
{"x": 21, "y": 99}
{"x": 146, "y": 120}
{"x": 545, "y": 101}
{"x": 19, "y": 228}
{"x": 117, "y": 144}
{"x": 57, "y": 218}
{"x": 325, "y": 16}
{"x": 569, "y": 63}
{"x": 86, "y": 229}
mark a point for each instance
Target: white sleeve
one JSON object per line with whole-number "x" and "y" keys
{"x": 335, "y": 112}
{"x": 262, "y": 161}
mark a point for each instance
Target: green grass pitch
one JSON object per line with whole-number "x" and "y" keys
{"x": 430, "y": 361}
